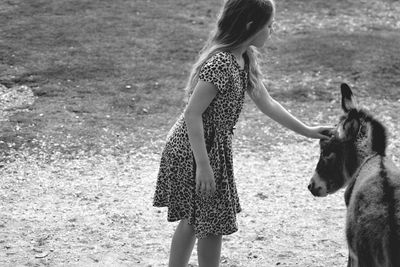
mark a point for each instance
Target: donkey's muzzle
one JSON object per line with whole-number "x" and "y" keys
{"x": 313, "y": 189}
{"x": 317, "y": 187}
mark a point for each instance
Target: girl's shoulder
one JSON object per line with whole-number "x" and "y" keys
{"x": 220, "y": 59}
{"x": 218, "y": 70}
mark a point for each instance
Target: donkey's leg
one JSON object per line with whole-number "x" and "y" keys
{"x": 352, "y": 262}
{"x": 351, "y": 244}
{"x": 353, "y": 257}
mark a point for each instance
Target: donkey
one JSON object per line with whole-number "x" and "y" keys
{"x": 355, "y": 157}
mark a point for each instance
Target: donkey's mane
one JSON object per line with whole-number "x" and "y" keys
{"x": 379, "y": 137}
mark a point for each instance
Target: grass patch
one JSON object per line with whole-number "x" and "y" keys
{"x": 315, "y": 63}
{"x": 121, "y": 66}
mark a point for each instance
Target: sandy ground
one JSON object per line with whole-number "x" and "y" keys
{"x": 95, "y": 210}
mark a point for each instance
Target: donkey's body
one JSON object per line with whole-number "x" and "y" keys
{"x": 355, "y": 157}
{"x": 373, "y": 214}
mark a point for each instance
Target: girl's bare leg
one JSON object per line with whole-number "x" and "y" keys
{"x": 209, "y": 251}
{"x": 182, "y": 245}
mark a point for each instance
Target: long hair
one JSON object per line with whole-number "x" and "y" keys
{"x": 231, "y": 31}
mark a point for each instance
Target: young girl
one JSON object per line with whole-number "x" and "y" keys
{"x": 195, "y": 179}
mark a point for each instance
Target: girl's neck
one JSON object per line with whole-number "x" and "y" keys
{"x": 238, "y": 52}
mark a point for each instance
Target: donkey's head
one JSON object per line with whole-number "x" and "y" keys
{"x": 357, "y": 136}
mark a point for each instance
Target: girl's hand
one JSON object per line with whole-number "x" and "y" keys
{"x": 320, "y": 132}
{"x": 205, "y": 182}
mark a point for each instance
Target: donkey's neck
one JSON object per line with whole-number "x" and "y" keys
{"x": 359, "y": 152}
{"x": 356, "y": 175}
{"x": 363, "y": 165}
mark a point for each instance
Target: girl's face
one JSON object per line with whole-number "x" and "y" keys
{"x": 259, "y": 39}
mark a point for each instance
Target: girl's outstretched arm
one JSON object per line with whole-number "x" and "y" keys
{"x": 278, "y": 113}
{"x": 203, "y": 94}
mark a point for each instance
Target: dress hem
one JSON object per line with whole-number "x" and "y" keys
{"x": 198, "y": 235}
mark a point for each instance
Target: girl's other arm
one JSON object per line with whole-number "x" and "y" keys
{"x": 201, "y": 98}
{"x": 275, "y": 111}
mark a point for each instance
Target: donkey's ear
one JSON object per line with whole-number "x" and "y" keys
{"x": 348, "y": 101}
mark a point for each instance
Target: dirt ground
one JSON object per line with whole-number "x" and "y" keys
{"x": 96, "y": 210}
{"x": 83, "y": 119}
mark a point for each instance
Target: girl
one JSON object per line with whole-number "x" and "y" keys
{"x": 195, "y": 179}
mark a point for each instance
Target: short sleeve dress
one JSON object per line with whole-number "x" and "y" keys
{"x": 176, "y": 185}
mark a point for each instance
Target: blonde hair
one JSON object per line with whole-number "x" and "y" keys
{"x": 231, "y": 31}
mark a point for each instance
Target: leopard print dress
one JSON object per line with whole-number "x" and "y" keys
{"x": 175, "y": 188}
